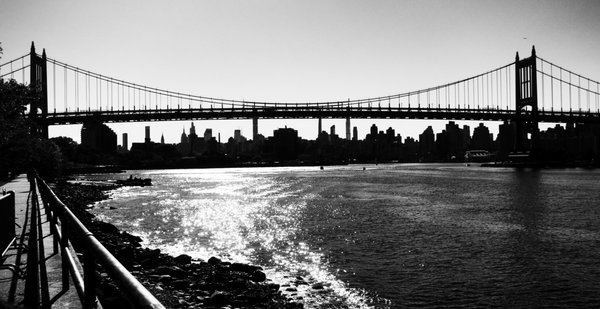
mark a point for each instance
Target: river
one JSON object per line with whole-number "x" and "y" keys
{"x": 388, "y": 236}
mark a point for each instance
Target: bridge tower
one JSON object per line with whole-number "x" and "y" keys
{"x": 526, "y": 117}
{"x": 38, "y": 109}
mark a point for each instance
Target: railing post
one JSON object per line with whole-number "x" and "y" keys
{"x": 64, "y": 246}
{"x": 89, "y": 280}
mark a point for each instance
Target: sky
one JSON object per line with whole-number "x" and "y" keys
{"x": 306, "y": 51}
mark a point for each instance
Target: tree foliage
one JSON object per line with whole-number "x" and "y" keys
{"x": 19, "y": 150}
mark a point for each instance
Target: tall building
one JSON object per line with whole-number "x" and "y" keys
{"x": 426, "y": 143}
{"x": 482, "y": 139}
{"x": 373, "y": 131}
{"x": 454, "y": 140}
{"x": 285, "y": 144}
{"x": 125, "y": 142}
{"x": 506, "y": 139}
{"x": 162, "y": 138}
{"x": 319, "y": 127}
{"x": 348, "y": 128}
{"x": 193, "y": 139}
{"x": 355, "y": 134}
{"x": 237, "y": 135}
{"x": 254, "y": 128}
{"x": 207, "y": 135}
{"x": 147, "y": 138}
{"x": 184, "y": 145}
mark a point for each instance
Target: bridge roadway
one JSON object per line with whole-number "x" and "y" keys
{"x": 298, "y": 111}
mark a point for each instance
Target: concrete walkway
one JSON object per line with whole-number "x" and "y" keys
{"x": 12, "y": 287}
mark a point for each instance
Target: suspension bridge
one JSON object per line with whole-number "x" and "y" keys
{"x": 525, "y": 91}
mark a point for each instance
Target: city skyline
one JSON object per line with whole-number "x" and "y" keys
{"x": 300, "y": 51}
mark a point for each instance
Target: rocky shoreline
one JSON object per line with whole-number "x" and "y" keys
{"x": 177, "y": 282}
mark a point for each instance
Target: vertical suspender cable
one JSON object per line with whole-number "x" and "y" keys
{"x": 87, "y": 90}
{"x": 54, "y": 84}
{"x": 588, "y": 97}
{"x": 477, "y": 79}
{"x": 109, "y": 93}
{"x": 560, "y": 82}
{"x": 570, "y": 95}
{"x": 579, "y": 92}
{"x": 66, "y": 101}
{"x": 499, "y": 80}
{"x": 76, "y": 74}
{"x": 551, "y": 90}
{"x": 497, "y": 92}
{"x": 543, "y": 77}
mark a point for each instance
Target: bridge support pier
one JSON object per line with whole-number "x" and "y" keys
{"x": 320, "y": 127}
{"x": 348, "y": 128}
{"x": 526, "y": 117}
{"x": 38, "y": 111}
{"x": 254, "y": 128}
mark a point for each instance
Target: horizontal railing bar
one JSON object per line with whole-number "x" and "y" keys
{"x": 132, "y": 289}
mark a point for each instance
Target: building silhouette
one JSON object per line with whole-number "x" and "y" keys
{"x": 285, "y": 144}
{"x": 427, "y": 145}
{"x": 482, "y": 138}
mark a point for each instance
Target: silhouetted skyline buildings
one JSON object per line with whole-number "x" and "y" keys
{"x": 452, "y": 144}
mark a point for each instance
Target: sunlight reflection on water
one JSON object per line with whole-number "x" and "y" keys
{"x": 388, "y": 236}
{"x": 238, "y": 216}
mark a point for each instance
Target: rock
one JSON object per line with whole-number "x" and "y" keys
{"x": 165, "y": 279}
{"x": 244, "y": 268}
{"x": 173, "y": 271}
{"x": 131, "y": 237}
{"x": 150, "y": 253}
{"x": 180, "y": 284}
{"x": 318, "y": 286}
{"x": 291, "y": 290}
{"x": 219, "y": 298}
{"x": 149, "y": 263}
{"x": 258, "y": 276}
{"x": 183, "y": 259}
{"x": 214, "y": 261}
{"x": 106, "y": 227}
{"x": 126, "y": 255}
{"x": 273, "y": 286}
{"x": 300, "y": 282}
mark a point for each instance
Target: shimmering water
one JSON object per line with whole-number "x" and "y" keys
{"x": 389, "y": 236}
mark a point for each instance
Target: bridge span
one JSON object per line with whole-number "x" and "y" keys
{"x": 525, "y": 91}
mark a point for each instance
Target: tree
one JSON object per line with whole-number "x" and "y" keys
{"x": 19, "y": 150}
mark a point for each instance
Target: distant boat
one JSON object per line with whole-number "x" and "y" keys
{"x": 134, "y": 181}
{"x": 478, "y": 156}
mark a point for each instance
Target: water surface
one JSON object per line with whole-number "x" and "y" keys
{"x": 389, "y": 236}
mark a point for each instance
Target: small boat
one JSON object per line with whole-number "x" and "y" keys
{"x": 135, "y": 181}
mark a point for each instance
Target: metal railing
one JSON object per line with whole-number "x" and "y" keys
{"x": 65, "y": 227}
{"x": 7, "y": 226}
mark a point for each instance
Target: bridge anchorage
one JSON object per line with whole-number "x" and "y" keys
{"x": 522, "y": 93}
